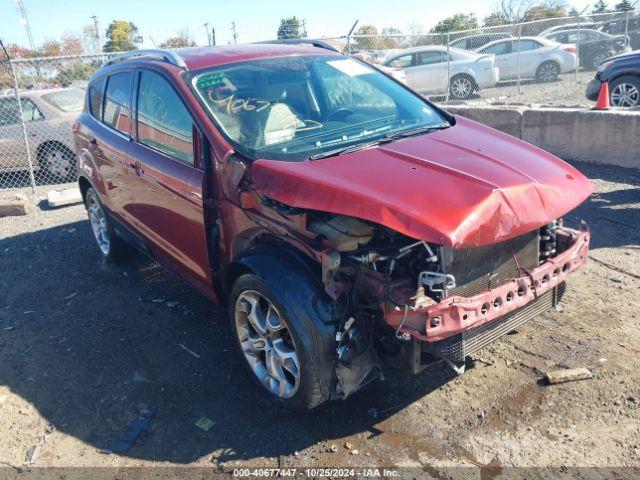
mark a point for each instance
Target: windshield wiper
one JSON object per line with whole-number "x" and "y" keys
{"x": 388, "y": 138}
{"x": 412, "y": 132}
{"x": 345, "y": 150}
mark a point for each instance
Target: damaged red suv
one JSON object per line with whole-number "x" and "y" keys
{"x": 344, "y": 219}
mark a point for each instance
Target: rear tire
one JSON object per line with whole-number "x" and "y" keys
{"x": 58, "y": 161}
{"x": 625, "y": 91}
{"x": 289, "y": 357}
{"x": 547, "y": 72}
{"x": 111, "y": 246}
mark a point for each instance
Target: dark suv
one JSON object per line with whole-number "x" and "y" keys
{"x": 344, "y": 219}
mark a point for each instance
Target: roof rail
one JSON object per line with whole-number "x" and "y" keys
{"x": 304, "y": 41}
{"x": 166, "y": 55}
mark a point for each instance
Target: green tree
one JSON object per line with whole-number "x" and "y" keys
{"x": 600, "y": 7}
{"x": 623, "y": 6}
{"x": 290, "y": 28}
{"x": 122, "y": 36}
{"x": 460, "y": 21}
{"x": 368, "y": 38}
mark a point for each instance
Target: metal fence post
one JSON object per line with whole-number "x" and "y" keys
{"x": 519, "y": 49}
{"x": 577, "y": 49}
{"x": 626, "y": 23}
{"x": 25, "y": 136}
{"x": 446, "y": 100}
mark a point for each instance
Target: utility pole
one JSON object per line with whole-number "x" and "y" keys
{"x": 25, "y": 22}
{"x": 206, "y": 28}
{"x": 213, "y": 36}
{"x": 235, "y": 32}
{"x": 96, "y": 30}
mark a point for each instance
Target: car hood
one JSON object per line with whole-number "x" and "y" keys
{"x": 466, "y": 186}
{"x": 635, "y": 55}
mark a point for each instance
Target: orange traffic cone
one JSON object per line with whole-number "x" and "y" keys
{"x": 603, "y": 98}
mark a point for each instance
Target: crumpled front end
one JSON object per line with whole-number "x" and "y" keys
{"x": 456, "y": 314}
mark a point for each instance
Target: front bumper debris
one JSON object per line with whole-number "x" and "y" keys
{"x": 593, "y": 89}
{"x": 456, "y": 314}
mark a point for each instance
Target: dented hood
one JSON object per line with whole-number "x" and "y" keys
{"x": 466, "y": 186}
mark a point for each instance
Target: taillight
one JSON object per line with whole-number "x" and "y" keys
{"x": 570, "y": 48}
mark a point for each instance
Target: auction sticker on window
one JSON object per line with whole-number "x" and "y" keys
{"x": 350, "y": 67}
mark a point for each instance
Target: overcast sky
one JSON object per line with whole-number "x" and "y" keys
{"x": 159, "y": 19}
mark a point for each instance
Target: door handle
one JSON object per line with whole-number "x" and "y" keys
{"x": 96, "y": 147}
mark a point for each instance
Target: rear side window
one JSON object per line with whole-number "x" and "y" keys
{"x": 96, "y": 96}
{"x": 117, "y": 100}
{"x": 163, "y": 121}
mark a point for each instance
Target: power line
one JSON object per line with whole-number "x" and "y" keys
{"x": 25, "y": 21}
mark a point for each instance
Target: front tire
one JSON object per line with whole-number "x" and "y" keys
{"x": 111, "y": 246}
{"x": 547, "y": 72}
{"x": 288, "y": 356}
{"x": 625, "y": 91}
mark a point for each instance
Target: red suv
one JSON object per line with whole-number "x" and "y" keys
{"x": 344, "y": 219}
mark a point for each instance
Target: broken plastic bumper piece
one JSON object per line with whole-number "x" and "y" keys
{"x": 455, "y": 314}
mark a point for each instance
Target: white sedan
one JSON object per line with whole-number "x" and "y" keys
{"x": 531, "y": 58}
{"x": 434, "y": 69}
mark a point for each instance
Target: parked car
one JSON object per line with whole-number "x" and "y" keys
{"x": 629, "y": 28}
{"x": 533, "y": 57}
{"x": 586, "y": 25}
{"x": 428, "y": 71}
{"x": 595, "y": 46}
{"x": 338, "y": 214}
{"x": 473, "y": 42}
{"x": 622, "y": 73}
{"x": 48, "y": 117}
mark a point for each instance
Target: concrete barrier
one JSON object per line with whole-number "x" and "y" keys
{"x": 609, "y": 137}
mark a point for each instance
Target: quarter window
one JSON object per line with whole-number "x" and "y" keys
{"x": 163, "y": 121}
{"x": 96, "y": 97}
{"x": 117, "y": 101}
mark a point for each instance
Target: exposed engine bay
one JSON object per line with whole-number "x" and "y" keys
{"x": 385, "y": 286}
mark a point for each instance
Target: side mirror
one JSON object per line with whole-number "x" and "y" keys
{"x": 231, "y": 175}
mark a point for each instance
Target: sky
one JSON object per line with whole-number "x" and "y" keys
{"x": 255, "y": 20}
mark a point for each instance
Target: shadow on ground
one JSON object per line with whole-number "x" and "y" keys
{"x": 93, "y": 346}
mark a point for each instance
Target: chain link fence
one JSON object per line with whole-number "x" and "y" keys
{"x": 40, "y": 99}
{"x": 546, "y": 62}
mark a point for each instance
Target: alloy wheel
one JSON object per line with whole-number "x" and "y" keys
{"x": 58, "y": 163}
{"x": 98, "y": 224}
{"x": 547, "y": 72}
{"x": 625, "y": 95}
{"x": 266, "y": 344}
{"x": 461, "y": 87}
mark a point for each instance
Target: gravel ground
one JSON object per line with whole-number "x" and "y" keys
{"x": 86, "y": 348}
{"x": 565, "y": 92}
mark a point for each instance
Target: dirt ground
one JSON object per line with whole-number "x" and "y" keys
{"x": 87, "y": 348}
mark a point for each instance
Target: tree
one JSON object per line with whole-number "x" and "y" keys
{"x": 544, "y": 11}
{"x": 624, "y": 6}
{"x": 51, "y": 48}
{"x": 494, "y": 20}
{"x": 460, "y": 21}
{"x": 122, "y": 36}
{"x": 600, "y": 7}
{"x": 368, "y": 38}
{"x": 290, "y": 28}
{"x": 71, "y": 44}
{"x": 181, "y": 40}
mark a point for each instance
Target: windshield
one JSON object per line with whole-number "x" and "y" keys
{"x": 292, "y": 108}
{"x": 66, "y": 100}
